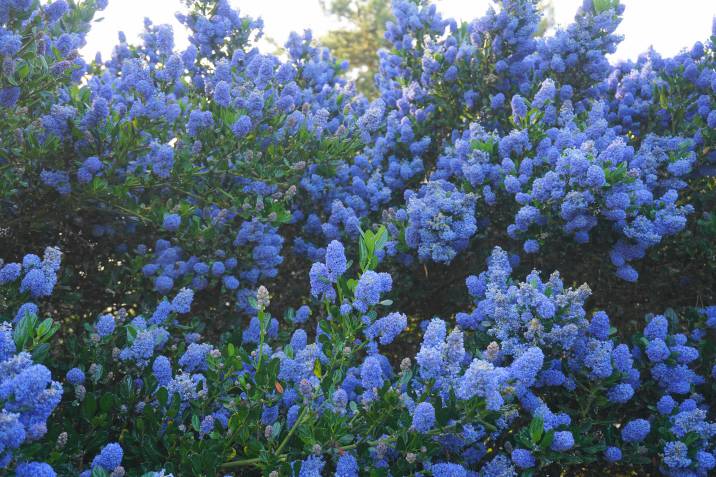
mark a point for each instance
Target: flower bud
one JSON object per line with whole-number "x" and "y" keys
{"x": 80, "y": 392}
{"x": 493, "y": 349}
{"x": 305, "y": 388}
{"x": 381, "y": 449}
{"x": 118, "y": 472}
{"x": 262, "y": 297}
{"x": 61, "y": 440}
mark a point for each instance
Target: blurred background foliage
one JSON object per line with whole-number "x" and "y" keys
{"x": 361, "y": 34}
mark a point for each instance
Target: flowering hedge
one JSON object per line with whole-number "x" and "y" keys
{"x": 230, "y": 236}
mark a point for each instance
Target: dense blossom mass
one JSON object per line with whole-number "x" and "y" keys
{"x": 185, "y": 198}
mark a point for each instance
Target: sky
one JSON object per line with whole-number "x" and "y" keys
{"x": 666, "y": 25}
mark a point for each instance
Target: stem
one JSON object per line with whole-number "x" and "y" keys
{"x": 261, "y": 339}
{"x": 132, "y": 213}
{"x": 290, "y": 431}
{"x": 590, "y": 400}
{"x": 240, "y": 463}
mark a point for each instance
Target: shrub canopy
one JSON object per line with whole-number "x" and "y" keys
{"x": 217, "y": 261}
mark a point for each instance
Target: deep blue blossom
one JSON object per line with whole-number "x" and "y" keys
{"x": 195, "y": 357}
{"x": 523, "y": 458}
{"x": 636, "y": 430}
{"x": 336, "y": 262}
{"x": 441, "y": 221}
{"x": 242, "y": 126}
{"x": 423, "y": 417}
{"x": 386, "y": 329}
{"x": 448, "y": 469}
{"x": 34, "y": 469}
{"x": 105, "y": 325}
{"x": 110, "y": 457}
{"x": 563, "y": 441}
{"x": 613, "y": 454}
{"x": 75, "y": 376}
{"x": 182, "y": 301}
{"x": 171, "y": 222}
{"x": 676, "y": 455}
{"x": 371, "y": 373}
{"x": 162, "y": 370}
{"x": 347, "y": 466}
{"x": 311, "y": 467}
{"x": 370, "y": 287}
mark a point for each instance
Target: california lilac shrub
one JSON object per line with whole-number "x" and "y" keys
{"x": 515, "y": 362}
{"x": 500, "y": 113}
{"x": 238, "y": 248}
{"x": 159, "y": 148}
{"x": 29, "y": 395}
{"x": 587, "y": 180}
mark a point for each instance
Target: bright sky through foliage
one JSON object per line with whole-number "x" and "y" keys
{"x": 667, "y": 25}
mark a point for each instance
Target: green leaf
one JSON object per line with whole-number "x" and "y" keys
{"x": 40, "y": 352}
{"x": 139, "y": 423}
{"x": 276, "y": 429}
{"x": 547, "y": 440}
{"x": 174, "y": 405}
{"x": 97, "y": 373}
{"x": 22, "y": 335}
{"x": 99, "y": 472}
{"x": 536, "y": 429}
{"x": 604, "y": 5}
{"x": 162, "y": 396}
{"x": 363, "y": 253}
{"x": 89, "y": 406}
{"x": 106, "y": 402}
{"x": 234, "y": 422}
{"x": 317, "y": 369}
{"x": 131, "y": 333}
{"x": 44, "y": 327}
{"x": 663, "y": 99}
{"x": 346, "y": 439}
{"x": 381, "y": 237}
{"x": 23, "y": 71}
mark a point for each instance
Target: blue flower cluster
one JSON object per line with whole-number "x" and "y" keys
{"x": 660, "y": 95}
{"x": 28, "y": 396}
{"x": 556, "y": 153}
{"x": 541, "y": 348}
{"x": 109, "y": 458}
{"x": 57, "y": 46}
{"x": 441, "y": 221}
{"x": 585, "y": 179}
{"x": 576, "y": 352}
{"x": 257, "y": 257}
{"x": 673, "y": 359}
{"x": 37, "y": 276}
{"x": 141, "y": 125}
